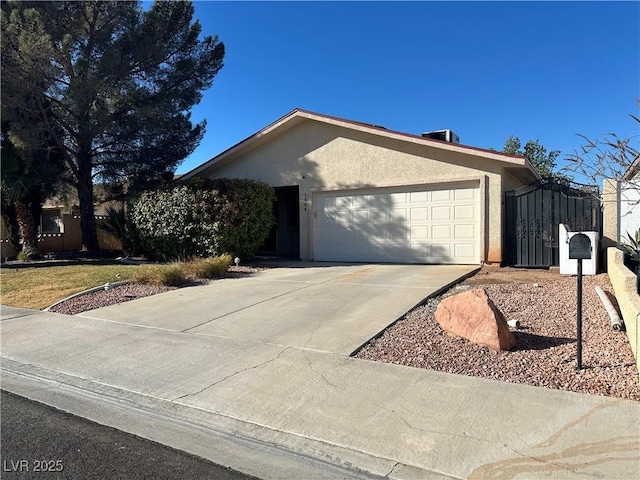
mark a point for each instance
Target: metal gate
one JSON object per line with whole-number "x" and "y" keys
{"x": 532, "y": 216}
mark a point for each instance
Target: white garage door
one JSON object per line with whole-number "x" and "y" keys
{"x": 425, "y": 224}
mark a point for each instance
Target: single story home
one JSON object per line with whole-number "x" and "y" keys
{"x": 59, "y": 230}
{"x": 356, "y": 192}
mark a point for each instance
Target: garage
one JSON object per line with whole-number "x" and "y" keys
{"x": 418, "y": 224}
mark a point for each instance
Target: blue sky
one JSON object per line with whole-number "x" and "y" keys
{"x": 486, "y": 70}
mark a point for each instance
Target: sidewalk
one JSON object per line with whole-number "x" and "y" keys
{"x": 278, "y": 411}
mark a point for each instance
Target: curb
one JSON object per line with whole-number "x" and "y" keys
{"x": 242, "y": 445}
{"x": 106, "y": 286}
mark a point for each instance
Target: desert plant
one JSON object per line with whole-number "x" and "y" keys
{"x": 27, "y": 253}
{"x": 172, "y": 274}
{"x": 177, "y": 274}
{"x": 211, "y": 267}
{"x": 116, "y": 224}
{"x": 631, "y": 246}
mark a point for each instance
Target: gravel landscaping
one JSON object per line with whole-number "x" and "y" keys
{"x": 127, "y": 292}
{"x": 104, "y": 298}
{"x": 545, "y": 351}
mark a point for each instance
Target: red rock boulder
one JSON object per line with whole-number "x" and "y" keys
{"x": 474, "y": 316}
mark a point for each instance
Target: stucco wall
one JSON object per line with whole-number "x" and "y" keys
{"x": 319, "y": 156}
{"x": 69, "y": 240}
{"x": 623, "y": 281}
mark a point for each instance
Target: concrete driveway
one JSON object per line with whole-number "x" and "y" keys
{"x": 326, "y": 307}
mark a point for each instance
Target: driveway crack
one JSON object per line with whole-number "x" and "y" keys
{"x": 392, "y": 469}
{"x": 217, "y": 382}
{"x": 186, "y": 330}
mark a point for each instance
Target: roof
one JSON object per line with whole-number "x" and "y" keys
{"x": 298, "y": 115}
{"x": 633, "y": 170}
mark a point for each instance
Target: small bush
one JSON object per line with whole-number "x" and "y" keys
{"x": 212, "y": 267}
{"x": 177, "y": 274}
{"x": 28, "y": 253}
{"x": 172, "y": 275}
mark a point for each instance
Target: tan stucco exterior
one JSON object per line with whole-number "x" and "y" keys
{"x": 610, "y": 214}
{"x": 69, "y": 238}
{"x": 623, "y": 281}
{"x": 319, "y": 155}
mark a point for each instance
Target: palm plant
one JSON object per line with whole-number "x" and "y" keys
{"x": 18, "y": 191}
{"x": 116, "y": 224}
{"x": 31, "y": 170}
{"x": 631, "y": 248}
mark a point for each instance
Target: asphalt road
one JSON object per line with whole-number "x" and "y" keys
{"x": 40, "y": 442}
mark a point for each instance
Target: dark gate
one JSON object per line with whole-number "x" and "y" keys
{"x": 532, "y": 216}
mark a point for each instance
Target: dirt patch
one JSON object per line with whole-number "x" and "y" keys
{"x": 491, "y": 275}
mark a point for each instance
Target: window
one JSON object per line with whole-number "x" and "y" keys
{"x": 51, "y": 221}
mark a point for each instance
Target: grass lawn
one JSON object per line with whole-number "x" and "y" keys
{"x": 41, "y": 286}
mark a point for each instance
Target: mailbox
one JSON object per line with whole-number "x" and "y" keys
{"x": 580, "y": 247}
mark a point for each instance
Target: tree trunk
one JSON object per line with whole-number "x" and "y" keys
{"x": 28, "y": 229}
{"x": 87, "y": 217}
{"x": 85, "y": 196}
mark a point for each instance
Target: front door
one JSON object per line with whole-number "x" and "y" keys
{"x": 284, "y": 237}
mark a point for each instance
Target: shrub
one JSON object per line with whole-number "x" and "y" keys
{"x": 201, "y": 217}
{"x": 175, "y": 223}
{"x": 177, "y": 274}
{"x": 172, "y": 275}
{"x": 212, "y": 267}
{"x": 27, "y": 253}
{"x": 244, "y": 210}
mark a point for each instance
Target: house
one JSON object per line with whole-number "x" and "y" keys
{"x": 621, "y": 205}
{"x": 356, "y": 192}
{"x": 59, "y": 230}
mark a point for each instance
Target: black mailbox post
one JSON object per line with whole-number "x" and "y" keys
{"x": 579, "y": 249}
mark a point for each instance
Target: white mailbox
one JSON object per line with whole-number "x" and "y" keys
{"x": 569, "y": 266}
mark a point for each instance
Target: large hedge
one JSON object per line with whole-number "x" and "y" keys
{"x": 244, "y": 210}
{"x": 175, "y": 223}
{"x": 202, "y": 217}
